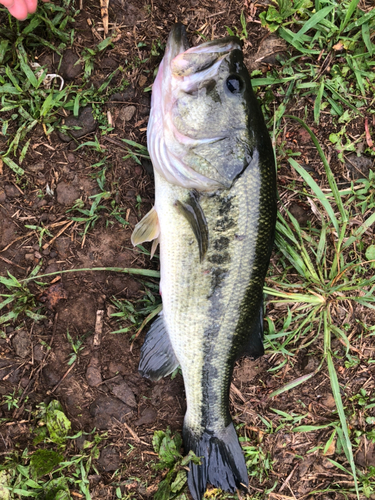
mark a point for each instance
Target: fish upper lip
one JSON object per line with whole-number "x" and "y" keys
{"x": 178, "y": 44}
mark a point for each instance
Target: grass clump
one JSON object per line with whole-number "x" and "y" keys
{"x": 45, "y": 472}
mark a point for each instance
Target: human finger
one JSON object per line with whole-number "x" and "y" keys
{"x": 7, "y": 3}
{"x": 31, "y": 5}
{"x": 19, "y": 10}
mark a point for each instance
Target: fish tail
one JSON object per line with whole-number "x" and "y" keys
{"x": 222, "y": 461}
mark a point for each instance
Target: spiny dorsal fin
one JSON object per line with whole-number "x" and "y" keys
{"x": 193, "y": 213}
{"x": 147, "y": 229}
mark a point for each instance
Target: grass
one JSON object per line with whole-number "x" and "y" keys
{"x": 330, "y": 57}
{"x": 50, "y": 469}
{"x": 322, "y": 271}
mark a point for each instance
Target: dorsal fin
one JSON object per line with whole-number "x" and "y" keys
{"x": 147, "y": 229}
{"x": 193, "y": 213}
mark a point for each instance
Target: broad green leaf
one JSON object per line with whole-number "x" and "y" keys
{"x": 57, "y": 423}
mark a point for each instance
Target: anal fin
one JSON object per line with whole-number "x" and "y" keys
{"x": 157, "y": 356}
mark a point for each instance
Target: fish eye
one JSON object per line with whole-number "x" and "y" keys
{"x": 234, "y": 84}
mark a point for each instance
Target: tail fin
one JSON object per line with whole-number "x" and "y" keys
{"x": 222, "y": 461}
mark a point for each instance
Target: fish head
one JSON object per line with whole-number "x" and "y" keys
{"x": 200, "y": 113}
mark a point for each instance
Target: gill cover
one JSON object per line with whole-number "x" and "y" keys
{"x": 181, "y": 71}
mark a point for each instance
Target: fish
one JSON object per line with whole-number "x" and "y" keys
{"x": 214, "y": 218}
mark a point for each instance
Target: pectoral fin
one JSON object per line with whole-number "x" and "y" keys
{"x": 147, "y": 229}
{"x": 194, "y": 214}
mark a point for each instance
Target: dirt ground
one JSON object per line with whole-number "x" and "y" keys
{"x": 101, "y": 388}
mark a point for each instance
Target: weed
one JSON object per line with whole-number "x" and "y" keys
{"x": 11, "y": 400}
{"x": 139, "y": 313}
{"x": 20, "y": 300}
{"x": 137, "y": 152}
{"x": 168, "y": 448}
{"x": 77, "y": 346}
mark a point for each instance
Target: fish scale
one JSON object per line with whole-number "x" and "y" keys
{"x": 214, "y": 217}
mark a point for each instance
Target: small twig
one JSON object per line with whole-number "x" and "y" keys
{"x": 132, "y": 433}
{"x": 285, "y": 483}
{"x": 66, "y": 374}
{"x": 98, "y": 326}
{"x": 46, "y": 245}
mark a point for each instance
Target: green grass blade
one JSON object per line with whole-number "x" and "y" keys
{"x": 359, "y": 231}
{"x": 352, "y": 6}
{"x": 294, "y": 297}
{"x": 340, "y": 409}
{"x": 366, "y": 38}
{"x": 330, "y": 176}
{"x": 359, "y": 22}
{"x": 126, "y": 270}
{"x": 294, "y": 383}
{"x": 318, "y": 102}
{"x": 317, "y": 191}
{"x": 342, "y": 99}
{"x": 314, "y": 21}
{"x": 11, "y": 164}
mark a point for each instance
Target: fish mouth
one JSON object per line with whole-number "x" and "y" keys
{"x": 184, "y": 61}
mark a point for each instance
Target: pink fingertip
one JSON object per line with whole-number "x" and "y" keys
{"x": 31, "y": 5}
{"x": 19, "y": 10}
{"x": 7, "y": 3}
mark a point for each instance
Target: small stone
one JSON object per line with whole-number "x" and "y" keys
{"x": 127, "y": 95}
{"x": 299, "y": 213}
{"x": 62, "y": 246}
{"x": 109, "y": 460}
{"x": 51, "y": 377}
{"x": 115, "y": 368}
{"x": 69, "y": 70}
{"x": 142, "y": 80}
{"x": 22, "y": 343}
{"x": 53, "y": 268}
{"x": 3, "y": 196}
{"x": 124, "y": 393}
{"x": 46, "y": 251}
{"x": 329, "y": 401}
{"x": 148, "y": 417}
{"x": 38, "y": 352}
{"x": 36, "y": 167}
{"x": 93, "y": 375}
{"x": 37, "y": 255}
{"x": 29, "y": 256}
{"x": 11, "y": 191}
{"x": 107, "y": 410}
{"x": 70, "y": 157}
{"x": 127, "y": 113}
{"x": 24, "y": 382}
{"x": 85, "y": 121}
{"x": 66, "y": 193}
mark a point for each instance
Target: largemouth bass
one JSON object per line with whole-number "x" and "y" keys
{"x": 214, "y": 217}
